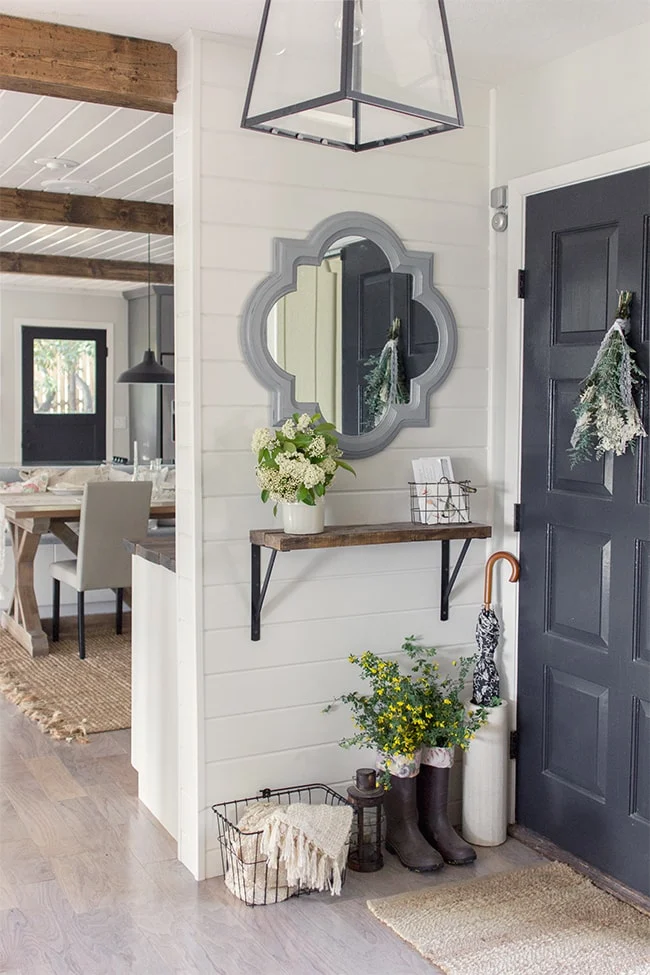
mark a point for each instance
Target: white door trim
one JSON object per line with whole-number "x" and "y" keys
{"x": 507, "y": 365}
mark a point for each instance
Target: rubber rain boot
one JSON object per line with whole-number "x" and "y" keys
{"x": 432, "y": 793}
{"x": 403, "y": 838}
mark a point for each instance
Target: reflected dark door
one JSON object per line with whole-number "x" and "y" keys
{"x": 372, "y": 296}
{"x": 64, "y": 395}
{"x": 583, "y": 776}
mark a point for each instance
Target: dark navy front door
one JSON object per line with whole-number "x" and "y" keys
{"x": 583, "y": 776}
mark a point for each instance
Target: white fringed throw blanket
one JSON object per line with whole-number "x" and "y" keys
{"x": 307, "y": 843}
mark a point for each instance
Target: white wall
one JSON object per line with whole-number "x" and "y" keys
{"x": 259, "y": 704}
{"x": 577, "y": 117}
{"x": 42, "y": 307}
{"x": 590, "y": 102}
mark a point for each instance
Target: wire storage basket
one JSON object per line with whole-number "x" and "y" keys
{"x": 442, "y": 502}
{"x": 248, "y": 872}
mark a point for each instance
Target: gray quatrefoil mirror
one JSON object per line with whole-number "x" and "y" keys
{"x": 349, "y": 325}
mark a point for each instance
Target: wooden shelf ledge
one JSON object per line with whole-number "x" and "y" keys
{"x": 344, "y": 536}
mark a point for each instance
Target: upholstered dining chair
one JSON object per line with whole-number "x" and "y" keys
{"x": 110, "y": 512}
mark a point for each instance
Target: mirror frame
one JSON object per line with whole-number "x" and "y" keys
{"x": 288, "y": 254}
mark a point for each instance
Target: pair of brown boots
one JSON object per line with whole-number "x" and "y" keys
{"x": 418, "y": 830}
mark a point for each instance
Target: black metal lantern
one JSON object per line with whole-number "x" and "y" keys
{"x": 355, "y": 74}
{"x": 367, "y": 834}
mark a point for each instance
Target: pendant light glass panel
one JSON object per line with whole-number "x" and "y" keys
{"x": 353, "y": 73}
{"x": 300, "y": 57}
{"x": 404, "y": 57}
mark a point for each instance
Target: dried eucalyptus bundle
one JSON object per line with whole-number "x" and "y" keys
{"x": 607, "y": 417}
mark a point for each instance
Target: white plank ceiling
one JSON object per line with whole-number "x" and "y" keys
{"x": 81, "y": 242}
{"x": 125, "y": 153}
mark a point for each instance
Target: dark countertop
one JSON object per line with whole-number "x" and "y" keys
{"x": 160, "y": 551}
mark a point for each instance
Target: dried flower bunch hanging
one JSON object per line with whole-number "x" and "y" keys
{"x": 607, "y": 417}
{"x": 385, "y": 382}
{"x": 297, "y": 463}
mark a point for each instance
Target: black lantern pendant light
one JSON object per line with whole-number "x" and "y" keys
{"x": 355, "y": 74}
{"x": 147, "y": 371}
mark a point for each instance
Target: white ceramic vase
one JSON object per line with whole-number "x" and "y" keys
{"x": 485, "y": 781}
{"x": 303, "y": 519}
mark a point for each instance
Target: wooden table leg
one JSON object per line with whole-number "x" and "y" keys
{"x": 22, "y": 620}
{"x": 65, "y": 534}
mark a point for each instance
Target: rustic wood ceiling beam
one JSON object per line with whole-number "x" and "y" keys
{"x": 86, "y": 65}
{"x": 103, "y": 213}
{"x": 85, "y": 267}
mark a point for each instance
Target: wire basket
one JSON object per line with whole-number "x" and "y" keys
{"x": 442, "y": 502}
{"x": 248, "y": 872}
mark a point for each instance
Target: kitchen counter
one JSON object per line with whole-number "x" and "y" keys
{"x": 154, "y": 676}
{"x": 160, "y": 551}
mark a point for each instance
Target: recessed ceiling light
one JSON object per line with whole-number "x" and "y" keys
{"x": 79, "y": 186}
{"x": 56, "y": 162}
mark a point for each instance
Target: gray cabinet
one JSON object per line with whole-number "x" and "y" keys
{"x": 151, "y": 406}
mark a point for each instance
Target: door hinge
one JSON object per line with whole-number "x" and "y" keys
{"x": 516, "y": 517}
{"x": 514, "y": 744}
{"x": 521, "y": 283}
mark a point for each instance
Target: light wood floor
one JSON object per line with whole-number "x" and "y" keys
{"x": 89, "y": 883}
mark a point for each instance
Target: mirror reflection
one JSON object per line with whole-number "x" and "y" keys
{"x": 352, "y": 335}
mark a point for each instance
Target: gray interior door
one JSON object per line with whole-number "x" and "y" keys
{"x": 583, "y": 776}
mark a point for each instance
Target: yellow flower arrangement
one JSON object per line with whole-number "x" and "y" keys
{"x": 405, "y": 712}
{"x": 451, "y": 723}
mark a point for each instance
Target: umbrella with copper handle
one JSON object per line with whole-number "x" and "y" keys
{"x": 486, "y": 676}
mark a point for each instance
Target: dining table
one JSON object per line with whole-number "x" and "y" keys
{"x": 28, "y": 517}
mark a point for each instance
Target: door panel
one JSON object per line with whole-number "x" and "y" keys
{"x": 584, "y": 659}
{"x": 64, "y": 395}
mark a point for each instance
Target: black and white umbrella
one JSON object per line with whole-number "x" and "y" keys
{"x": 486, "y": 676}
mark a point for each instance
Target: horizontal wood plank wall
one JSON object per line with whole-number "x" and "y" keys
{"x": 263, "y": 701}
{"x": 86, "y": 65}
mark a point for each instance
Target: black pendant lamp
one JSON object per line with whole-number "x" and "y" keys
{"x": 148, "y": 371}
{"x": 354, "y": 74}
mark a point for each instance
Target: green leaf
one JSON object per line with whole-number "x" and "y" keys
{"x": 265, "y": 495}
{"x": 315, "y": 417}
{"x": 320, "y": 490}
{"x": 346, "y": 467}
{"x": 324, "y": 427}
{"x": 275, "y": 509}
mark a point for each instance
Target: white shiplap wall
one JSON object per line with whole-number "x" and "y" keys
{"x": 259, "y": 704}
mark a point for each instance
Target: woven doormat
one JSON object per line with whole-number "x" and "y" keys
{"x": 68, "y": 697}
{"x": 545, "y": 920}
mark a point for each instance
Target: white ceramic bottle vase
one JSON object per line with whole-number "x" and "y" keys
{"x": 485, "y": 781}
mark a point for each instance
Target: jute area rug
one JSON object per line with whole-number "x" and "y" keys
{"x": 68, "y": 697}
{"x": 545, "y": 920}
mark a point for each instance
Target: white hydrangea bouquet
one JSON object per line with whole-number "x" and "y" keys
{"x": 298, "y": 462}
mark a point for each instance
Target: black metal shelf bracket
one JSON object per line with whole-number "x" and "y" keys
{"x": 446, "y": 580}
{"x": 258, "y": 589}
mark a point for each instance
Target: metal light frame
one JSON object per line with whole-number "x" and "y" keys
{"x": 266, "y": 122}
